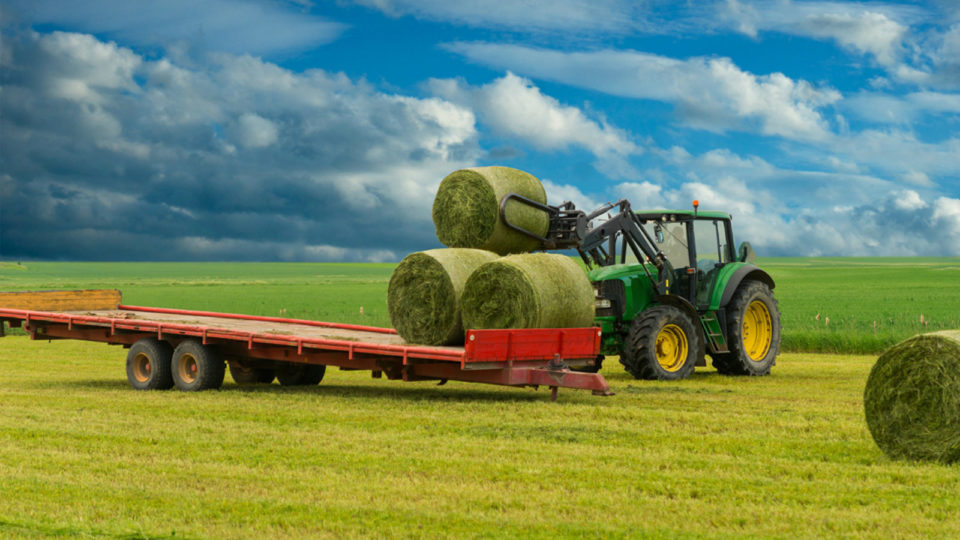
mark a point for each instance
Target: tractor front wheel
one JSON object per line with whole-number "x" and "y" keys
{"x": 663, "y": 344}
{"x": 753, "y": 331}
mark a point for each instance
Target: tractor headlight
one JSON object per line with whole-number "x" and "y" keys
{"x": 602, "y": 303}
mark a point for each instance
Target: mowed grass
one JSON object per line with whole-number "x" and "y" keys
{"x": 789, "y": 455}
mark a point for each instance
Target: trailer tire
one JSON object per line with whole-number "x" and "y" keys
{"x": 148, "y": 365}
{"x": 301, "y": 374}
{"x": 196, "y": 367}
{"x": 663, "y": 344}
{"x": 753, "y": 331}
{"x": 250, "y": 375}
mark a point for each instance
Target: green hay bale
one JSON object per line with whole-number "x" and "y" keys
{"x": 912, "y": 398}
{"x": 533, "y": 290}
{"x": 423, "y": 296}
{"x": 466, "y": 210}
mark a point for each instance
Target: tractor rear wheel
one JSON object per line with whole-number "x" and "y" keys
{"x": 250, "y": 375}
{"x": 148, "y": 365}
{"x": 663, "y": 344}
{"x": 196, "y": 366}
{"x": 753, "y": 331}
{"x": 301, "y": 374}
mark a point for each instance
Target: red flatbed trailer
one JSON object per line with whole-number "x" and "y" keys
{"x": 522, "y": 357}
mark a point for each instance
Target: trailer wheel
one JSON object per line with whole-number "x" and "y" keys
{"x": 250, "y": 375}
{"x": 753, "y": 331}
{"x": 148, "y": 365}
{"x": 663, "y": 344}
{"x": 301, "y": 374}
{"x": 196, "y": 367}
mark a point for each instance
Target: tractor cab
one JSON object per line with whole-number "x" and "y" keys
{"x": 696, "y": 244}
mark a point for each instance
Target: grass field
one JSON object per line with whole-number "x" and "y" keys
{"x": 82, "y": 455}
{"x": 870, "y": 303}
{"x": 789, "y": 455}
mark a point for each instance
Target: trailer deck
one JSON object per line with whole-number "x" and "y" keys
{"x": 522, "y": 357}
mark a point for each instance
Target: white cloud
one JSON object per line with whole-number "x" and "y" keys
{"x": 882, "y": 220}
{"x": 946, "y": 214}
{"x": 558, "y": 193}
{"x": 901, "y": 108}
{"x": 254, "y": 131}
{"x": 710, "y": 93}
{"x": 236, "y": 151}
{"x": 901, "y": 152}
{"x": 515, "y": 107}
{"x": 615, "y": 16}
{"x": 867, "y": 29}
{"x": 917, "y": 178}
{"x": 943, "y": 51}
{"x": 234, "y": 26}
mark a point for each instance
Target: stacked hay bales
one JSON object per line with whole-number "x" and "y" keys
{"x": 425, "y": 290}
{"x": 912, "y": 398}
{"x": 533, "y": 290}
{"x": 466, "y": 210}
{"x": 428, "y": 290}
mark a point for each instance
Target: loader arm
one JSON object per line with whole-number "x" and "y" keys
{"x": 597, "y": 244}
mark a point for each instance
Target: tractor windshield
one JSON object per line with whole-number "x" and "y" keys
{"x": 671, "y": 239}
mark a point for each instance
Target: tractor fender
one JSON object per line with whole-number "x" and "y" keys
{"x": 685, "y": 306}
{"x": 744, "y": 272}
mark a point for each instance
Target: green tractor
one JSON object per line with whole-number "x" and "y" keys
{"x": 670, "y": 288}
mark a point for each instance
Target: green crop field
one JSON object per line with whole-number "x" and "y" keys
{"x": 870, "y": 303}
{"x": 827, "y": 305}
{"x": 788, "y": 455}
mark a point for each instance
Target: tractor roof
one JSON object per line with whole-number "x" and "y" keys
{"x": 680, "y": 214}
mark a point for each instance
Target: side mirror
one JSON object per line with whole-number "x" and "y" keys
{"x": 658, "y": 231}
{"x": 746, "y": 253}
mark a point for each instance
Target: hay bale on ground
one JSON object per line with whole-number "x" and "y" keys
{"x": 423, "y": 296}
{"x": 466, "y": 210}
{"x": 912, "y": 398}
{"x": 533, "y": 290}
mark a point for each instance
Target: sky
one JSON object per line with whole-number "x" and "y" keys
{"x": 299, "y": 130}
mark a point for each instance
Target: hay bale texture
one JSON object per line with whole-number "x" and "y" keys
{"x": 466, "y": 210}
{"x": 423, "y": 296}
{"x": 912, "y": 398}
{"x": 533, "y": 290}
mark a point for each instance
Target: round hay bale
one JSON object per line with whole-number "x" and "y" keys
{"x": 423, "y": 296}
{"x": 912, "y": 398}
{"x": 532, "y": 290}
{"x": 466, "y": 210}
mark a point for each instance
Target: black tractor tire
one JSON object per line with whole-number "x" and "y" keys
{"x": 148, "y": 365}
{"x": 753, "y": 331}
{"x": 301, "y": 374}
{"x": 196, "y": 367}
{"x": 663, "y": 344}
{"x": 250, "y": 375}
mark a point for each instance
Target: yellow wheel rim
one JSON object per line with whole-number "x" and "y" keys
{"x": 757, "y": 331}
{"x": 142, "y": 368}
{"x": 187, "y": 368}
{"x": 671, "y": 348}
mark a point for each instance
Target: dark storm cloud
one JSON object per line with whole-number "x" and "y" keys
{"x": 108, "y": 155}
